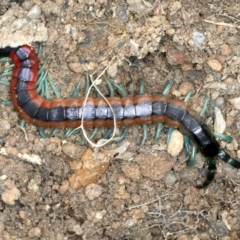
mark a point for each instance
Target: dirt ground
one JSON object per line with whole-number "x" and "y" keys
{"x": 146, "y": 192}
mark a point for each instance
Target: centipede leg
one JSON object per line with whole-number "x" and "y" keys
{"x": 224, "y": 137}
{"x": 142, "y": 86}
{"x": 210, "y": 172}
{"x": 158, "y": 133}
{"x": 120, "y": 89}
{"x": 4, "y": 72}
{"x": 94, "y": 133}
{"x": 110, "y": 87}
{"x": 192, "y": 158}
{"x": 167, "y": 88}
{"x": 108, "y": 133}
{"x": 145, "y": 134}
{"x": 170, "y": 131}
{"x": 205, "y": 105}
{"x": 188, "y": 96}
{"x": 44, "y": 135}
{"x": 191, "y": 154}
{"x": 124, "y": 134}
{"x": 40, "y": 48}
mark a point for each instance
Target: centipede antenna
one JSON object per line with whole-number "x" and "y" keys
{"x": 170, "y": 131}
{"x": 224, "y": 137}
{"x": 210, "y": 173}
{"x": 227, "y": 159}
{"x": 142, "y": 86}
{"x": 188, "y": 96}
{"x": 158, "y": 133}
{"x": 205, "y": 105}
{"x": 167, "y": 88}
{"x": 110, "y": 87}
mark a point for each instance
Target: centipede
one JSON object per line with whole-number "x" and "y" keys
{"x": 139, "y": 110}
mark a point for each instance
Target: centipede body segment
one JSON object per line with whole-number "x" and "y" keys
{"x": 141, "y": 109}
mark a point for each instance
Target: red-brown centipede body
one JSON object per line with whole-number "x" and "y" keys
{"x": 141, "y": 109}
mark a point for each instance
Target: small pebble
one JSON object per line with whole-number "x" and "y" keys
{"x": 35, "y": 232}
{"x": 32, "y": 186}
{"x": 132, "y": 171}
{"x": 185, "y": 87}
{"x": 198, "y": 39}
{"x": 34, "y": 12}
{"x": 220, "y": 123}
{"x": 93, "y": 191}
{"x": 72, "y": 150}
{"x": 112, "y": 70}
{"x": 170, "y": 179}
{"x": 11, "y": 193}
{"x": 175, "y": 144}
{"x": 235, "y": 102}
{"x": 4, "y": 127}
{"x": 2, "y": 227}
{"x": 154, "y": 168}
{"x": 64, "y": 187}
{"x": 225, "y": 49}
{"x": 215, "y": 65}
{"x": 175, "y": 57}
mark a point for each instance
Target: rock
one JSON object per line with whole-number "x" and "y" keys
{"x": 175, "y": 144}
{"x": 215, "y": 65}
{"x": 11, "y": 193}
{"x": 93, "y": 191}
{"x": 235, "y": 102}
{"x": 219, "y": 123}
